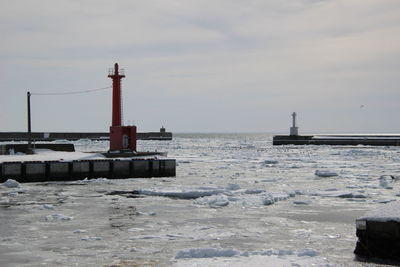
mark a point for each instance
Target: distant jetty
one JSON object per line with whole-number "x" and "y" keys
{"x": 336, "y": 140}
{"x": 72, "y": 136}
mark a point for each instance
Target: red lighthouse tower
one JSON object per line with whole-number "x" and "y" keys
{"x": 122, "y": 138}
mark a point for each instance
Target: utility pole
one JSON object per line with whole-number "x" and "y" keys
{"x": 29, "y": 150}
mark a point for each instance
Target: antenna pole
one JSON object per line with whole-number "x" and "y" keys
{"x": 29, "y": 151}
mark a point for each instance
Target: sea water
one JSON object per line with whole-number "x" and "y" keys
{"x": 236, "y": 200}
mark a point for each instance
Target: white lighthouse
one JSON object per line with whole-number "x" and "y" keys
{"x": 294, "y": 130}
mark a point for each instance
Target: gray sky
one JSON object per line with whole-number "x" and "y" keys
{"x": 203, "y": 66}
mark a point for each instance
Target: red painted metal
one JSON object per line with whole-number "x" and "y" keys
{"x": 116, "y": 100}
{"x": 121, "y": 137}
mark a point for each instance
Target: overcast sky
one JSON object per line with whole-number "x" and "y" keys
{"x": 203, "y": 66}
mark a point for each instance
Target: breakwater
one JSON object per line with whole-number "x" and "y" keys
{"x": 52, "y": 136}
{"x": 342, "y": 140}
{"x": 44, "y": 171}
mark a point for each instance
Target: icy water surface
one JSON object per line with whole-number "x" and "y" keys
{"x": 236, "y": 201}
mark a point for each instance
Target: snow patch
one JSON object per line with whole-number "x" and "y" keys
{"x": 388, "y": 212}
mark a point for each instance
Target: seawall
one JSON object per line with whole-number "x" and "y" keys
{"x": 341, "y": 140}
{"x": 52, "y": 136}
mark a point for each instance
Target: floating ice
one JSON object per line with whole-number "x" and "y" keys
{"x": 307, "y": 252}
{"x": 10, "y": 183}
{"x": 215, "y": 201}
{"x": 48, "y": 206}
{"x": 79, "y": 231}
{"x": 352, "y": 195}
{"x": 229, "y": 252}
{"x": 341, "y": 194}
{"x": 383, "y": 182}
{"x": 270, "y": 162}
{"x": 320, "y": 173}
{"x": 57, "y": 217}
{"x": 183, "y": 194}
{"x": 302, "y": 202}
{"x": 151, "y": 213}
{"x": 206, "y": 253}
{"x": 254, "y": 191}
{"x": 91, "y": 238}
{"x": 384, "y": 201}
{"x": 245, "y": 198}
{"x": 233, "y": 187}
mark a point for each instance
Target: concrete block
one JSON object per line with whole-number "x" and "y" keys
{"x": 141, "y": 168}
{"x": 11, "y": 170}
{"x": 121, "y": 169}
{"x": 101, "y": 169}
{"x": 155, "y": 167}
{"x": 58, "y": 170}
{"x": 169, "y": 168}
{"x": 35, "y": 171}
{"x": 378, "y": 234}
{"x": 80, "y": 170}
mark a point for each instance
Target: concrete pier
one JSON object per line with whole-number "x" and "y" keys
{"x": 333, "y": 140}
{"x": 341, "y": 140}
{"x": 36, "y": 171}
{"x": 378, "y": 234}
{"x": 52, "y": 136}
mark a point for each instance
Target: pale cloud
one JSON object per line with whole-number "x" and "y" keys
{"x": 205, "y": 65}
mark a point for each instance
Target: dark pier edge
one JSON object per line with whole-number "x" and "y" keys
{"x": 341, "y": 140}
{"x": 54, "y": 171}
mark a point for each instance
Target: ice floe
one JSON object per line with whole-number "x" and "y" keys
{"x": 48, "y": 207}
{"x": 206, "y": 253}
{"x": 91, "y": 238}
{"x": 10, "y": 183}
{"x": 384, "y": 183}
{"x": 57, "y": 217}
{"x": 341, "y": 194}
{"x": 182, "y": 193}
{"x": 269, "y": 162}
{"x": 302, "y": 202}
{"x": 215, "y": 201}
{"x": 79, "y": 231}
{"x": 241, "y": 198}
{"x": 320, "y": 173}
{"x": 230, "y": 252}
{"x": 216, "y": 197}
